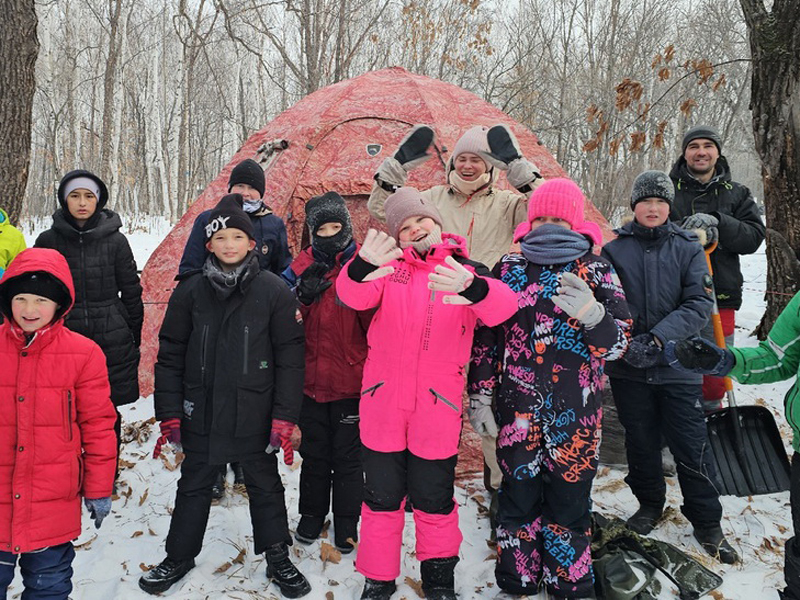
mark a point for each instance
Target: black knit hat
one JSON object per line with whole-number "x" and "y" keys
{"x": 228, "y": 214}
{"x": 705, "y": 132}
{"x": 250, "y": 172}
{"x": 330, "y": 207}
{"x": 102, "y": 198}
{"x": 38, "y": 283}
{"x": 652, "y": 184}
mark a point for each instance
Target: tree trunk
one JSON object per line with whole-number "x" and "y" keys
{"x": 775, "y": 103}
{"x": 19, "y": 47}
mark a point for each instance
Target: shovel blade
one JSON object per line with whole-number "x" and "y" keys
{"x": 755, "y": 465}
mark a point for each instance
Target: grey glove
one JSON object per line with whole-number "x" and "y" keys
{"x": 413, "y": 149}
{"x": 98, "y": 509}
{"x": 576, "y": 298}
{"x": 391, "y": 175}
{"x": 700, "y": 221}
{"x": 481, "y": 415}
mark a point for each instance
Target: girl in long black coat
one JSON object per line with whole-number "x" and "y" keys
{"x": 108, "y": 297}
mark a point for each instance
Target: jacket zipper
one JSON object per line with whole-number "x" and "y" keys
{"x": 438, "y": 396}
{"x": 83, "y": 284}
{"x": 372, "y": 389}
{"x": 203, "y": 343}
{"x": 246, "y": 348}
{"x": 69, "y": 413}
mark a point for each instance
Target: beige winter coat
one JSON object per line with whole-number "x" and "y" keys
{"x": 487, "y": 220}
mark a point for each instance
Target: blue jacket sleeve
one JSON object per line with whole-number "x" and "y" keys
{"x": 194, "y": 253}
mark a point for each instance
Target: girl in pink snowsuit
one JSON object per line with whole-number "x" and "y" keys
{"x": 429, "y": 296}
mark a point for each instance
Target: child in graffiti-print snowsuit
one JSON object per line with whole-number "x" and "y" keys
{"x": 572, "y": 316}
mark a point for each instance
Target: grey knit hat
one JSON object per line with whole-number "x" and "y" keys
{"x": 408, "y": 202}
{"x": 652, "y": 184}
{"x": 474, "y": 140}
{"x": 705, "y": 132}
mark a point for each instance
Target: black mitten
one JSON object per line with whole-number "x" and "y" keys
{"x": 312, "y": 282}
{"x": 503, "y": 147}
{"x": 642, "y": 352}
{"x": 414, "y": 147}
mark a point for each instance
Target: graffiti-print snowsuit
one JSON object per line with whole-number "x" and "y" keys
{"x": 545, "y": 371}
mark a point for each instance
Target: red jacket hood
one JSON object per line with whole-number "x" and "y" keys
{"x": 35, "y": 260}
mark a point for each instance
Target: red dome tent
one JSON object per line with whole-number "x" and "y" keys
{"x": 335, "y": 139}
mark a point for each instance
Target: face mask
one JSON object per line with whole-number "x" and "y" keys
{"x": 469, "y": 187}
{"x": 425, "y": 244}
{"x": 251, "y": 206}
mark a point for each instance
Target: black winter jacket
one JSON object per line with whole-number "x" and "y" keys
{"x": 226, "y": 368}
{"x": 741, "y": 229}
{"x": 662, "y": 270}
{"x": 108, "y": 297}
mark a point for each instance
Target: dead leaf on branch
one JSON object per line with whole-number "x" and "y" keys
{"x": 669, "y": 53}
{"x": 687, "y": 106}
{"x": 664, "y": 74}
{"x": 628, "y": 91}
{"x": 719, "y": 83}
{"x": 656, "y": 61}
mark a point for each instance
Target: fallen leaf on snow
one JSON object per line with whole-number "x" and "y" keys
{"x": 329, "y": 554}
{"x": 239, "y": 560}
{"x": 416, "y": 586}
{"x": 137, "y": 534}
{"x": 145, "y": 567}
{"x": 222, "y": 568}
{"x": 144, "y": 496}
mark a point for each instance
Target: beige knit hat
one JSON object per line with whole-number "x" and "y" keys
{"x": 474, "y": 141}
{"x": 408, "y": 202}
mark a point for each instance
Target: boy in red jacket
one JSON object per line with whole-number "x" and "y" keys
{"x": 336, "y": 348}
{"x": 56, "y": 426}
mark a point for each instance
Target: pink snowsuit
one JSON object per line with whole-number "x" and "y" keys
{"x": 413, "y": 385}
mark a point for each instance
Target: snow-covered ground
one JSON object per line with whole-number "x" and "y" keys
{"x": 110, "y": 560}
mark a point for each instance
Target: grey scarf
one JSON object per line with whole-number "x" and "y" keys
{"x": 554, "y": 245}
{"x": 225, "y": 282}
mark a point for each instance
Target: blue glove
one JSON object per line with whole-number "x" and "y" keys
{"x": 98, "y": 509}
{"x": 697, "y": 355}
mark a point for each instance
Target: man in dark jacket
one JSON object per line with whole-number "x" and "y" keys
{"x": 228, "y": 382}
{"x": 272, "y": 248}
{"x": 666, "y": 282}
{"x": 706, "y": 198}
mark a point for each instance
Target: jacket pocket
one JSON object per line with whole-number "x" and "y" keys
{"x": 371, "y": 390}
{"x": 203, "y": 353}
{"x": 437, "y": 397}
{"x": 253, "y": 409}
{"x": 67, "y": 411}
{"x": 246, "y": 350}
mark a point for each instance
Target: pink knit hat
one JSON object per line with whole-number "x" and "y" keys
{"x": 560, "y": 198}
{"x": 408, "y": 202}
{"x": 474, "y": 141}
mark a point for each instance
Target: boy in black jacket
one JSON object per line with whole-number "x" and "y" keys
{"x": 668, "y": 288}
{"x": 229, "y": 386}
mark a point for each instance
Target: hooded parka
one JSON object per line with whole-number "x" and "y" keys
{"x": 57, "y": 439}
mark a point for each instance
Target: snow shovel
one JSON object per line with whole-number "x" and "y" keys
{"x": 747, "y": 446}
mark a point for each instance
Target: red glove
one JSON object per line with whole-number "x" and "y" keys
{"x": 170, "y": 432}
{"x": 281, "y": 437}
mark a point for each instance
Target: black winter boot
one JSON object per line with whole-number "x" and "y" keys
{"x": 345, "y": 528}
{"x": 644, "y": 520}
{"x": 218, "y": 489}
{"x": 713, "y": 541}
{"x": 238, "y": 479}
{"x": 308, "y": 529}
{"x": 791, "y": 570}
{"x": 281, "y": 570}
{"x": 438, "y": 578}
{"x": 376, "y": 589}
{"x": 161, "y": 577}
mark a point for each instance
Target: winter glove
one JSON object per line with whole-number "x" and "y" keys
{"x": 481, "y": 415}
{"x": 312, "y": 282}
{"x": 170, "y": 432}
{"x": 413, "y": 149}
{"x": 378, "y": 249}
{"x": 700, "y": 221}
{"x": 281, "y": 437}
{"x": 451, "y": 278}
{"x": 697, "y": 355}
{"x": 504, "y": 153}
{"x": 98, "y": 509}
{"x": 643, "y": 352}
{"x": 576, "y": 298}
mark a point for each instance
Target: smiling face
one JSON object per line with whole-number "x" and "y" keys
{"x": 415, "y": 229}
{"x": 469, "y": 166}
{"x": 701, "y": 157}
{"x": 32, "y": 312}
{"x": 81, "y": 204}
{"x": 230, "y": 246}
{"x": 651, "y": 212}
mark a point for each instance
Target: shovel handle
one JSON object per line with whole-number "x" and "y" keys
{"x": 716, "y": 321}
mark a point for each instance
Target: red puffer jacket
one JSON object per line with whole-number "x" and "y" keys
{"x": 57, "y": 439}
{"x": 336, "y": 338}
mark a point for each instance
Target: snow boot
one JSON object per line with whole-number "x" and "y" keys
{"x": 438, "y": 578}
{"x": 308, "y": 529}
{"x": 644, "y": 520}
{"x": 218, "y": 489}
{"x": 713, "y": 541}
{"x": 161, "y": 577}
{"x": 791, "y": 570}
{"x": 280, "y": 569}
{"x": 376, "y": 589}
{"x": 344, "y": 529}
{"x": 238, "y": 479}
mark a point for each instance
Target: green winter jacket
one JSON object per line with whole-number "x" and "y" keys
{"x": 12, "y": 242}
{"x": 775, "y": 359}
